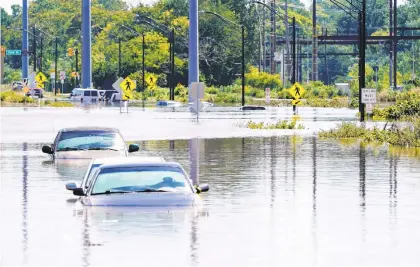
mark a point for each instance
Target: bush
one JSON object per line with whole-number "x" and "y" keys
{"x": 278, "y": 125}
{"x": 262, "y": 80}
{"x": 60, "y": 104}
{"x": 15, "y": 97}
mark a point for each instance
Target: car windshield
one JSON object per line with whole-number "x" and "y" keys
{"x": 140, "y": 179}
{"x": 90, "y": 140}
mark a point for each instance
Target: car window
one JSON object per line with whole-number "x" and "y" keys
{"x": 86, "y": 93}
{"x": 94, "y": 93}
{"x": 90, "y": 173}
{"x": 90, "y": 140}
{"x": 141, "y": 178}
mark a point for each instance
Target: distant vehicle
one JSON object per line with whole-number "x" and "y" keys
{"x": 204, "y": 105}
{"x": 252, "y": 108}
{"x": 17, "y": 86}
{"x": 164, "y": 103}
{"x": 155, "y": 184}
{"x": 88, "y": 143}
{"x": 96, "y": 163}
{"x": 35, "y": 92}
{"x": 84, "y": 95}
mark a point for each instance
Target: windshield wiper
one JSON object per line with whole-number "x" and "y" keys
{"x": 103, "y": 148}
{"x": 148, "y": 190}
{"x": 69, "y": 149}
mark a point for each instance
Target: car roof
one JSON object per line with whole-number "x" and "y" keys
{"x": 89, "y": 128}
{"x": 124, "y": 160}
{"x": 140, "y": 164}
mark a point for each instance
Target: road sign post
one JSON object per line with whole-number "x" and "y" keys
{"x": 368, "y": 99}
{"x": 197, "y": 92}
{"x": 267, "y": 95}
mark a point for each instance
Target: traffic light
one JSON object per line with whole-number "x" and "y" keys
{"x": 70, "y": 52}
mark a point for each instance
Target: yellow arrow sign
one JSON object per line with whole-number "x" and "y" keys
{"x": 296, "y": 91}
{"x": 297, "y": 102}
{"x": 127, "y": 86}
{"x": 40, "y": 78}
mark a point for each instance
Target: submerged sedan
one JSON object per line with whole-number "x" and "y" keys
{"x": 141, "y": 184}
{"x": 88, "y": 142}
{"x": 96, "y": 163}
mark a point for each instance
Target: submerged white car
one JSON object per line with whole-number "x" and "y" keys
{"x": 89, "y": 143}
{"x": 96, "y": 163}
{"x": 147, "y": 184}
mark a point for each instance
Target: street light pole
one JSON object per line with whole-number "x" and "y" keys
{"x": 77, "y": 66}
{"x": 40, "y": 59}
{"x": 294, "y": 50}
{"x": 143, "y": 52}
{"x": 34, "y": 48}
{"x": 243, "y": 65}
{"x": 119, "y": 56}
{"x": 173, "y": 65}
{"x": 56, "y": 65}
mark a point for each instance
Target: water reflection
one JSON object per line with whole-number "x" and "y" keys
{"x": 270, "y": 199}
{"x": 25, "y": 200}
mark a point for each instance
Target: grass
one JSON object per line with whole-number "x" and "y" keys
{"x": 404, "y": 135}
{"x": 14, "y": 97}
{"x": 279, "y": 125}
{"x": 59, "y": 104}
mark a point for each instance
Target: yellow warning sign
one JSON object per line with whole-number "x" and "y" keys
{"x": 127, "y": 86}
{"x": 296, "y": 91}
{"x": 40, "y": 78}
{"x": 297, "y": 102}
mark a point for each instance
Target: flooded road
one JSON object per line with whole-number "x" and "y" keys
{"x": 277, "y": 201}
{"x": 162, "y": 123}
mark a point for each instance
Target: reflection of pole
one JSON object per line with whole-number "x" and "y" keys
{"x": 362, "y": 175}
{"x": 314, "y": 175}
{"x": 25, "y": 198}
{"x": 273, "y": 148}
{"x": 194, "y": 159}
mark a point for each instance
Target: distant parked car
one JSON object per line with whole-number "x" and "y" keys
{"x": 252, "y": 108}
{"x": 35, "y": 92}
{"x": 140, "y": 184}
{"x": 17, "y": 86}
{"x": 170, "y": 104}
{"x": 96, "y": 163}
{"x": 88, "y": 143}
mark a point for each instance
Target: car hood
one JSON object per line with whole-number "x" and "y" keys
{"x": 154, "y": 199}
{"x": 90, "y": 154}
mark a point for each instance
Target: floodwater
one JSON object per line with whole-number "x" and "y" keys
{"x": 274, "y": 201}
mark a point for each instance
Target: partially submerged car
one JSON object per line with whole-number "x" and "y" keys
{"x": 96, "y": 163}
{"x": 89, "y": 143}
{"x": 140, "y": 184}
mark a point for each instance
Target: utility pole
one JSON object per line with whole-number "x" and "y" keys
{"x": 119, "y": 56}
{"x": 243, "y": 64}
{"x": 273, "y": 37}
{"x": 40, "y": 59}
{"x": 25, "y": 59}
{"x": 264, "y": 57}
{"x": 395, "y": 43}
{"x": 391, "y": 44}
{"x": 34, "y": 48}
{"x": 56, "y": 66}
{"x": 77, "y": 66}
{"x": 362, "y": 58}
{"x": 314, "y": 44}
{"x": 143, "y": 68}
{"x": 86, "y": 48}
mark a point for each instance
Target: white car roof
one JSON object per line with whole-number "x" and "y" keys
{"x": 140, "y": 164}
{"x": 127, "y": 160}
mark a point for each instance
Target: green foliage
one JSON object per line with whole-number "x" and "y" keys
{"x": 404, "y": 136}
{"x": 14, "y": 97}
{"x": 262, "y": 80}
{"x": 281, "y": 124}
{"x": 335, "y": 102}
{"x": 407, "y": 105}
{"x": 59, "y": 104}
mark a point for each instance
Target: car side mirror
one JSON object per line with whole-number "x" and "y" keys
{"x": 71, "y": 186}
{"x": 202, "y": 188}
{"x": 47, "y": 150}
{"x": 133, "y": 148}
{"x": 78, "y": 191}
